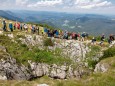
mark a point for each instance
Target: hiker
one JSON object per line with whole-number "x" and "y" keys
{"x": 37, "y": 30}
{"x": 21, "y": 26}
{"x": 15, "y": 26}
{"x": 45, "y": 31}
{"x": 102, "y": 39}
{"x": 50, "y": 33}
{"x": 57, "y": 34}
{"x": 78, "y": 36}
{"x": 111, "y": 38}
{"x": 65, "y": 35}
{"x": 33, "y": 29}
{"x": 4, "y": 25}
{"x": 73, "y": 35}
{"x": 86, "y": 36}
{"x": 18, "y": 25}
{"x": 11, "y": 26}
{"x": 83, "y": 36}
{"x": 93, "y": 40}
{"x": 26, "y": 27}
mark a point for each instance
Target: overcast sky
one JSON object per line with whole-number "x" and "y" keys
{"x": 78, "y": 6}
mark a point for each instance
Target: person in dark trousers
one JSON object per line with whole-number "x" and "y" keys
{"x": 102, "y": 39}
{"x": 21, "y": 26}
{"x": 11, "y": 26}
{"x": 93, "y": 40}
{"x": 4, "y": 25}
{"x": 111, "y": 38}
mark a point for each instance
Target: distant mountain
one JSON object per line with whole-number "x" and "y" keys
{"x": 9, "y": 15}
{"x": 91, "y": 23}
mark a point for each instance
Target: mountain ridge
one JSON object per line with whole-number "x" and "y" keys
{"x": 90, "y": 23}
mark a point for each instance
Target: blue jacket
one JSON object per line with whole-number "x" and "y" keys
{"x": 10, "y": 26}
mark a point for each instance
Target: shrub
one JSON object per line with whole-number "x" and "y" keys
{"x": 92, "y": 63}
{"x": 48, "y": 42}
{"x": 93, "y": 53}
{"x": 20, "y": 36}
{"x": 109, "y": 52}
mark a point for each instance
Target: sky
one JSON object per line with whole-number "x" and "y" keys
{"x": 73, "y": 6}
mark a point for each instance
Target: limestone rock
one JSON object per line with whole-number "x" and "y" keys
{"x": 101, "y": 67}
{"x": 58, "y": 72}
{"x": 42, "y": 85}
{"x": 2, "y": 48}
{"x": 11, "y": 71}
{"x": 39, "y": 69}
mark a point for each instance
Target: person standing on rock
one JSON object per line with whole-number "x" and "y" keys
{"x": 11, "y": 26}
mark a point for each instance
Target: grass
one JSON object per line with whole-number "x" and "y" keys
{"x": 109, "y": 52}
{"x": 98, "y": 79}
{"x": 22, "y": 53}
{"x": 89, "y": 56}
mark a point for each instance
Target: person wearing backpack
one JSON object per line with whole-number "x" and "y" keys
{"x": 11, "y": 26}
{"x": 93, "y": 40}
{"x": 111, "y": 38}
{"x": 83, "y": 36}
{"x": 102, "y": 39}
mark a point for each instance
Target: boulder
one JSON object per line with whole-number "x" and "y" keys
{"x": 101, "y": 67}
{"x": 58, "y": 72}
{"x": 10, "y": 70}
{"x": 42, "y": 85}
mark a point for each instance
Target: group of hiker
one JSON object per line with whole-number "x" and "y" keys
{"x": 110, "y": 39}
{"x": 54, "y": 33}
{"x": 11, "y": 26}
{"x": 44, "y": 31}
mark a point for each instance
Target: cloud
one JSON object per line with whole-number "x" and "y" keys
{"x": 45, "y": 3}
{"x": 21, "y": 2}
{"x": 88, "y": 4}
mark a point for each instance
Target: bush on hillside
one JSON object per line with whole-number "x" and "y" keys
{"x": 90, "y": 55}
{"x": 48, "y": 42}
{"x": 109, "y": 52}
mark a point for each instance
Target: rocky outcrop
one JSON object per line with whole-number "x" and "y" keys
{"x": 73, "y": 49}
{"x": 42, "y": 85}
{"x": 57, "y": 72}
{"x": 102, "y": 67}
{"x": 10, "y": 70}
{"x": 112, "y": 44}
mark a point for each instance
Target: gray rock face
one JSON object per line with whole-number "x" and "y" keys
{"x": 42, "y": 85}
{"x": 101, "y": 67}
{"x": 55, "y": 71}
{"x": 1, "y": 32}
{"x": 38, "y": 69}
{"x": 58, "y": 72}
{"x": 9, "y": 70}
{"x": 74, "y": 49}
{"x": 2, "y": 49}
{"x": 112, "y": 44}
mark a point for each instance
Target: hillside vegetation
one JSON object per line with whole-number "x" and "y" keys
{"x": 95, "y": 64}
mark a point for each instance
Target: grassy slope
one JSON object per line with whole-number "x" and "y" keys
{"x": 21, "y": 53}
{"x": 97, "y": 79}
